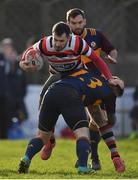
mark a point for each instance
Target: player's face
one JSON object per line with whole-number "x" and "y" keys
{"x": 77, "y": 24}
{"x": 59, "y": 42}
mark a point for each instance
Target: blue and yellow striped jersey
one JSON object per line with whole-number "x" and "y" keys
{"x": 98, "y": 42}
{"x": 92, "y": 88}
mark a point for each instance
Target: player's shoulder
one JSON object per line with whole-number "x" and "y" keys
{"x": 74, "y": 42}
{"x": 46, "y": 38}
{"x": 47, "y": 42}
{"x": 74, "y": 36}
{"x": 93, "y": 31}
{"x": 74, "y": 39}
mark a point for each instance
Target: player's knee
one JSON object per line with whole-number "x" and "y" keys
{"x": 111, "y": 119}
{"x": 82, "y": 133}
{"x": 80, "y": 124}
{"x": 44, "y": 136}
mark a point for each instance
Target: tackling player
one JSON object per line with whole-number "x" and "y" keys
{"x": 63, "y": 51}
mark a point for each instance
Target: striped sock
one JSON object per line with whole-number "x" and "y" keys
{"x": 109, "y": 138}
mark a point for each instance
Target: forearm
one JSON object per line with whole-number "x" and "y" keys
{"x": 101, "y": 65}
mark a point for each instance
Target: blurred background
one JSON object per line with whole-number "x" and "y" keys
{"x": 26, "y": 22}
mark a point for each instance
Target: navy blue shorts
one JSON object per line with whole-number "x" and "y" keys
{"x": 65, "y": 100}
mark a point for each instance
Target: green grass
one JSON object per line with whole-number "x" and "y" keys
{"x": 61, "y": 163}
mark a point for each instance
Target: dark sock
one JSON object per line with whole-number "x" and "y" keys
{"x": 52, "y": 138}
{"x": 82, "y": 150}
{"x": 34, "y": 146}
{"x": 95, "y": 139}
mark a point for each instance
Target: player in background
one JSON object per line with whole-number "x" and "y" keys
{"x": 99, "y": 43}
{"x": 63, "y": 52}
{"x": 77, "y": 22}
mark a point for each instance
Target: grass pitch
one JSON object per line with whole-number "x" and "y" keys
{"x": 61, "y": 163}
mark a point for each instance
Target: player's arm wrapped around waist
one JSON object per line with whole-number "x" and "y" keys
{"x": 117, "y": 85}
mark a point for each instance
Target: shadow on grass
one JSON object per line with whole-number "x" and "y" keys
{"x": 125, "y": 175}
{"x": 7, "y": 172}
{"x": 64, "y": 173}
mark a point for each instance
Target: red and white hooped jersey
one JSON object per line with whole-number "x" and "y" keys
{"x": 67, "y": 59}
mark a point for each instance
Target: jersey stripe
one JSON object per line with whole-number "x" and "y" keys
{"x": 44, "y": 48}
{"x": 63, "y": 61}
{"x": 77, "y": 44}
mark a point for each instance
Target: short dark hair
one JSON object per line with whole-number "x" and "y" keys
{"x": 72, "y": 13}
{"x": 61, "y": 28}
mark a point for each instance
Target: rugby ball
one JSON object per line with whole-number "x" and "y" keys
{"x": 34, "y": 58}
